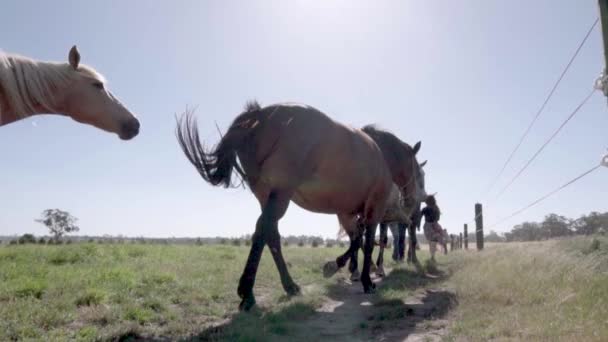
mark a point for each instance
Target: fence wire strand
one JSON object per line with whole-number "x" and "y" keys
{"x": 542, "y": 107}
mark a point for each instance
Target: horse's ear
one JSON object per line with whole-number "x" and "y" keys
{"x": 74, "y": 57}
{"x": 417, "y": 147}
{"x": 423, "y": 163}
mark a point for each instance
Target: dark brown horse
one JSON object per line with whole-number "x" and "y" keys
{"x": 293, "y": 152}
{"x": 398, "y": 225}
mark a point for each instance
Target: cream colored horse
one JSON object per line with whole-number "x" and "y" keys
{"x": 29, "y": 87}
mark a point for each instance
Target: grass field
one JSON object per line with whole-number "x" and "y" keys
{"x": 554, "y": 290}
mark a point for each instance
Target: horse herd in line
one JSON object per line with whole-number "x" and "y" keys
{"x": 284, "y": 153}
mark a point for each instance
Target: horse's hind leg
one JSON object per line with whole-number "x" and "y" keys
{"x": 366, "y": 280}
{"x": 266, "y": 231}
{"x": 273, "y": 239}
{"x": 383, "y": 242}
{"x": 245, "y": 289}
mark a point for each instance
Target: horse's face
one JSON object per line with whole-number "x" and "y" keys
{"x": 420, "y": 185}
{"x": 87, "y": 100}
{"x": 413, "y": 177}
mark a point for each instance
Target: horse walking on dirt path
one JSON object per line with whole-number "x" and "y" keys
{"x": 293, "y": 152}
{"x": 29, "y": 87}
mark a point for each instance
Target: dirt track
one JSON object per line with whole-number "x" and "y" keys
{"x": 350, "y": 315}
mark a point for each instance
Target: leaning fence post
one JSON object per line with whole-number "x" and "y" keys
{"x": 466, "y": 236}
{"x": 479, "y": 226}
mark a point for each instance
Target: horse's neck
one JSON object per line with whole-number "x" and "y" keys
{"x": 6, "y": 113}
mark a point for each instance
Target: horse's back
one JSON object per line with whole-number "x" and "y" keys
{"x": 331, "y": 167}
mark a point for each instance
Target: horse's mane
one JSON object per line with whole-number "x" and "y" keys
{"x": 27, "y": 84}
{"x": 385, "y": 138}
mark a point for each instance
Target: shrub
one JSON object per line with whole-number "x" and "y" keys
{"x": 301, "y": 243}
{"x": 341, "y": 244}
{"x": 315, "y": 243}
{"x": 41, "y": 241}
{"x": 236, "y": 242}
{"x": 223, "y": 241}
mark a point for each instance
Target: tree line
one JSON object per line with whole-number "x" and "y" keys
{"x": 554, "y": 226}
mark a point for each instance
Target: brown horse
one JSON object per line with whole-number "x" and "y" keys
{"x": 29, "y": 87}
{"x": 293, "y": 152}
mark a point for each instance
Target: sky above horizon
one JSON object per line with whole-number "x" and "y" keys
{"x": 464, "y": 77}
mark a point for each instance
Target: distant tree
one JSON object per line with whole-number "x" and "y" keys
{"x": 27, "y": 238}
{"x": 223, "y": 241}
{"x": 555, "y": 225}
{"x": 41, "y": 241}
{"x": 591, "y": 224}
{"x": 494, "y": 237}
{"x": 301, "y": 243}
{"x": 341, "y": 244}
{"x": 58, "y": 222}
{"x": 285, "y": 243}
{"x": 236, "y": 242}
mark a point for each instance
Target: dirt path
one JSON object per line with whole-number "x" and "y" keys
{"x": 350, "y": 315}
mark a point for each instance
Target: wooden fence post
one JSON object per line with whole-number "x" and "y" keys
{"x": 460, "y": 241}
{"x": 603, "y": 4}
{"x": 479, "y": 226}
{"x": 466, "y": 236}
{"x": 451, "y": 242}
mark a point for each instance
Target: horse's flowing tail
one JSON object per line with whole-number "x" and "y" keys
{"x": 216, "y": 165}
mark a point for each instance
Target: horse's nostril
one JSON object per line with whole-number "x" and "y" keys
{"x": 130, "y": 128}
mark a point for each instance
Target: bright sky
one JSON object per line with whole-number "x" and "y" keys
{"x": 465, "y": 77}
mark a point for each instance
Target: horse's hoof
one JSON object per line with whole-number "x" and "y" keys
{"x": 370, "y": 289}
{"x": 247, "y": 303}
{"x": 330, "y": 268}
{"x": 355, "y": 276}
{"x": 292, "y": 289}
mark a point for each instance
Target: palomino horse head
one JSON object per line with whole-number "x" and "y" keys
{"x": 401, "y": 159}
{"x": 86, "y": 100}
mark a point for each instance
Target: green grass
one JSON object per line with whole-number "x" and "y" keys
{"x": 551, "y": 290}
{"x": 101, "y": 292}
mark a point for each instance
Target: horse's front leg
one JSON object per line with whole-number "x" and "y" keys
{"x": 383, "y": 242}
{"x": 401, "y": 227}
{"x": 411, "y": 254}
{"x": 366, "y": 280}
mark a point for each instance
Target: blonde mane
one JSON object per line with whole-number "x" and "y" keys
{"x": 27, "y": 84}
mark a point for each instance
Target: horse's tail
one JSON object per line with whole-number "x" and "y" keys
{"x": 216, "y": 165}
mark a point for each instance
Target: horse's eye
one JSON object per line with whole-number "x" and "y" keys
{"x": 98, "y": 85}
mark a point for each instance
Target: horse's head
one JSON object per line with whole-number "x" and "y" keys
{"x": 401, "y": 160}
{"x": 86, "y": 99}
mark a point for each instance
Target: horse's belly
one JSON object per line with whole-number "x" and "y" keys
{"x": 328, "y": 198}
